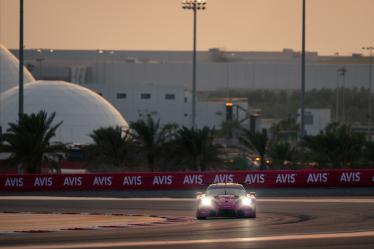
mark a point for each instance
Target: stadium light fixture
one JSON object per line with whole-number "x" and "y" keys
{"x": 194, "y": 5}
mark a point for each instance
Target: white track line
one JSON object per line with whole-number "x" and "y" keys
{"x": 63, "y": 198}
{"x": 296, "y": 199}
{"x": 318, "y": 200}
{"x": 202, "y": 241}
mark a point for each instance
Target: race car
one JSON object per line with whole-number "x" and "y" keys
{"x": 226, "y": 200}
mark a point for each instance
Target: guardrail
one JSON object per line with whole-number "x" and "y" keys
{"x": 187, "y": 180}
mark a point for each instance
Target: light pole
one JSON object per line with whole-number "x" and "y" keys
{"x": 302, "y": 107}
{"x": 194, "y": 5}
{"x": 337, "y": 97}
{"x": 370, "y": 48}
{"x": 341, "y": 72}
{"x": 20, "y": 75}
{"x": 20, "y": 71}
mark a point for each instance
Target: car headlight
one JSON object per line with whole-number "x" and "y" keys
{"x": 247, "y": 201}
{"x": 206, "y": 201}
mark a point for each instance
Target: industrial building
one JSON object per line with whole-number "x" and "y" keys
{"x": 215, "y": 68}
{"x": 158, "y": 83}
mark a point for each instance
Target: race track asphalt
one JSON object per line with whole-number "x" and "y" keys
{"x": 312, "y": 222}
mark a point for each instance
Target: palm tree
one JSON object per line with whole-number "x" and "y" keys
{"x": 281, "y": 151}
{"x": 110, "y": 144}
{"x": 229, "y": 131}
{"x": 282, "y": 143}
{"x": 285, "y": 130}
{"x": 257, "y": 141}
{"x": 195, "y": 148}
{"x": 152, "y": 138}
{"x": 29, "y": 139}
{"x": 368, "y": 152}
{"x": 337, "y": 145}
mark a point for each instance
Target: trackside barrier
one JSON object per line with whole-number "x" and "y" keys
{"x": 187, "y": 180}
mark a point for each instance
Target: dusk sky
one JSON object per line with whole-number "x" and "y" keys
{"x": 342, "y": 26}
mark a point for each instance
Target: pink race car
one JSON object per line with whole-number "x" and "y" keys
{"x": 226, "y": 199}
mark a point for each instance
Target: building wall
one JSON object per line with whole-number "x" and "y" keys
{"x": 129, "y": 101}
{"x": 210, "y": 76}
{"x": 162, "y": 72}
{"x": 215, "y": 68}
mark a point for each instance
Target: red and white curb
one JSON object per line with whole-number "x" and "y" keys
{"x": 166, "y": 220}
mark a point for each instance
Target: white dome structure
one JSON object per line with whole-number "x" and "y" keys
{"x": 80, "y": 109}
{"x": 9, "y": 70}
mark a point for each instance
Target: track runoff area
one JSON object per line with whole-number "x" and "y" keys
{"x": 30, "y": 221}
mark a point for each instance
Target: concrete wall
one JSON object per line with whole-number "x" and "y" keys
{"x": 162, "y": 72}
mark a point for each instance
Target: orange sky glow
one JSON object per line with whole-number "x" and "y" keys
{"x": 342, "y": 26}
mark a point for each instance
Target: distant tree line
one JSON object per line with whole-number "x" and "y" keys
{"x": 352, "y": 102}
{"x": 148, "y": 146}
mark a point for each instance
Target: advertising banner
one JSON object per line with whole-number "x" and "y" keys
{"x": 187, "y": 180}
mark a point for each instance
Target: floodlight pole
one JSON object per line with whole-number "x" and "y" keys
{"x": 370, "y": 86}
{"x": 20, "y": 76}
{"x": 337, "y": 97}
{"x": 343, "y": 71}
{"x": 194, "y": 71}
{"x": 194, "y": 5}
{"x": 302, "y": 107}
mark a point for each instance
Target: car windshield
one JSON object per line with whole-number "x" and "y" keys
{"x": 225, "y": 191}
